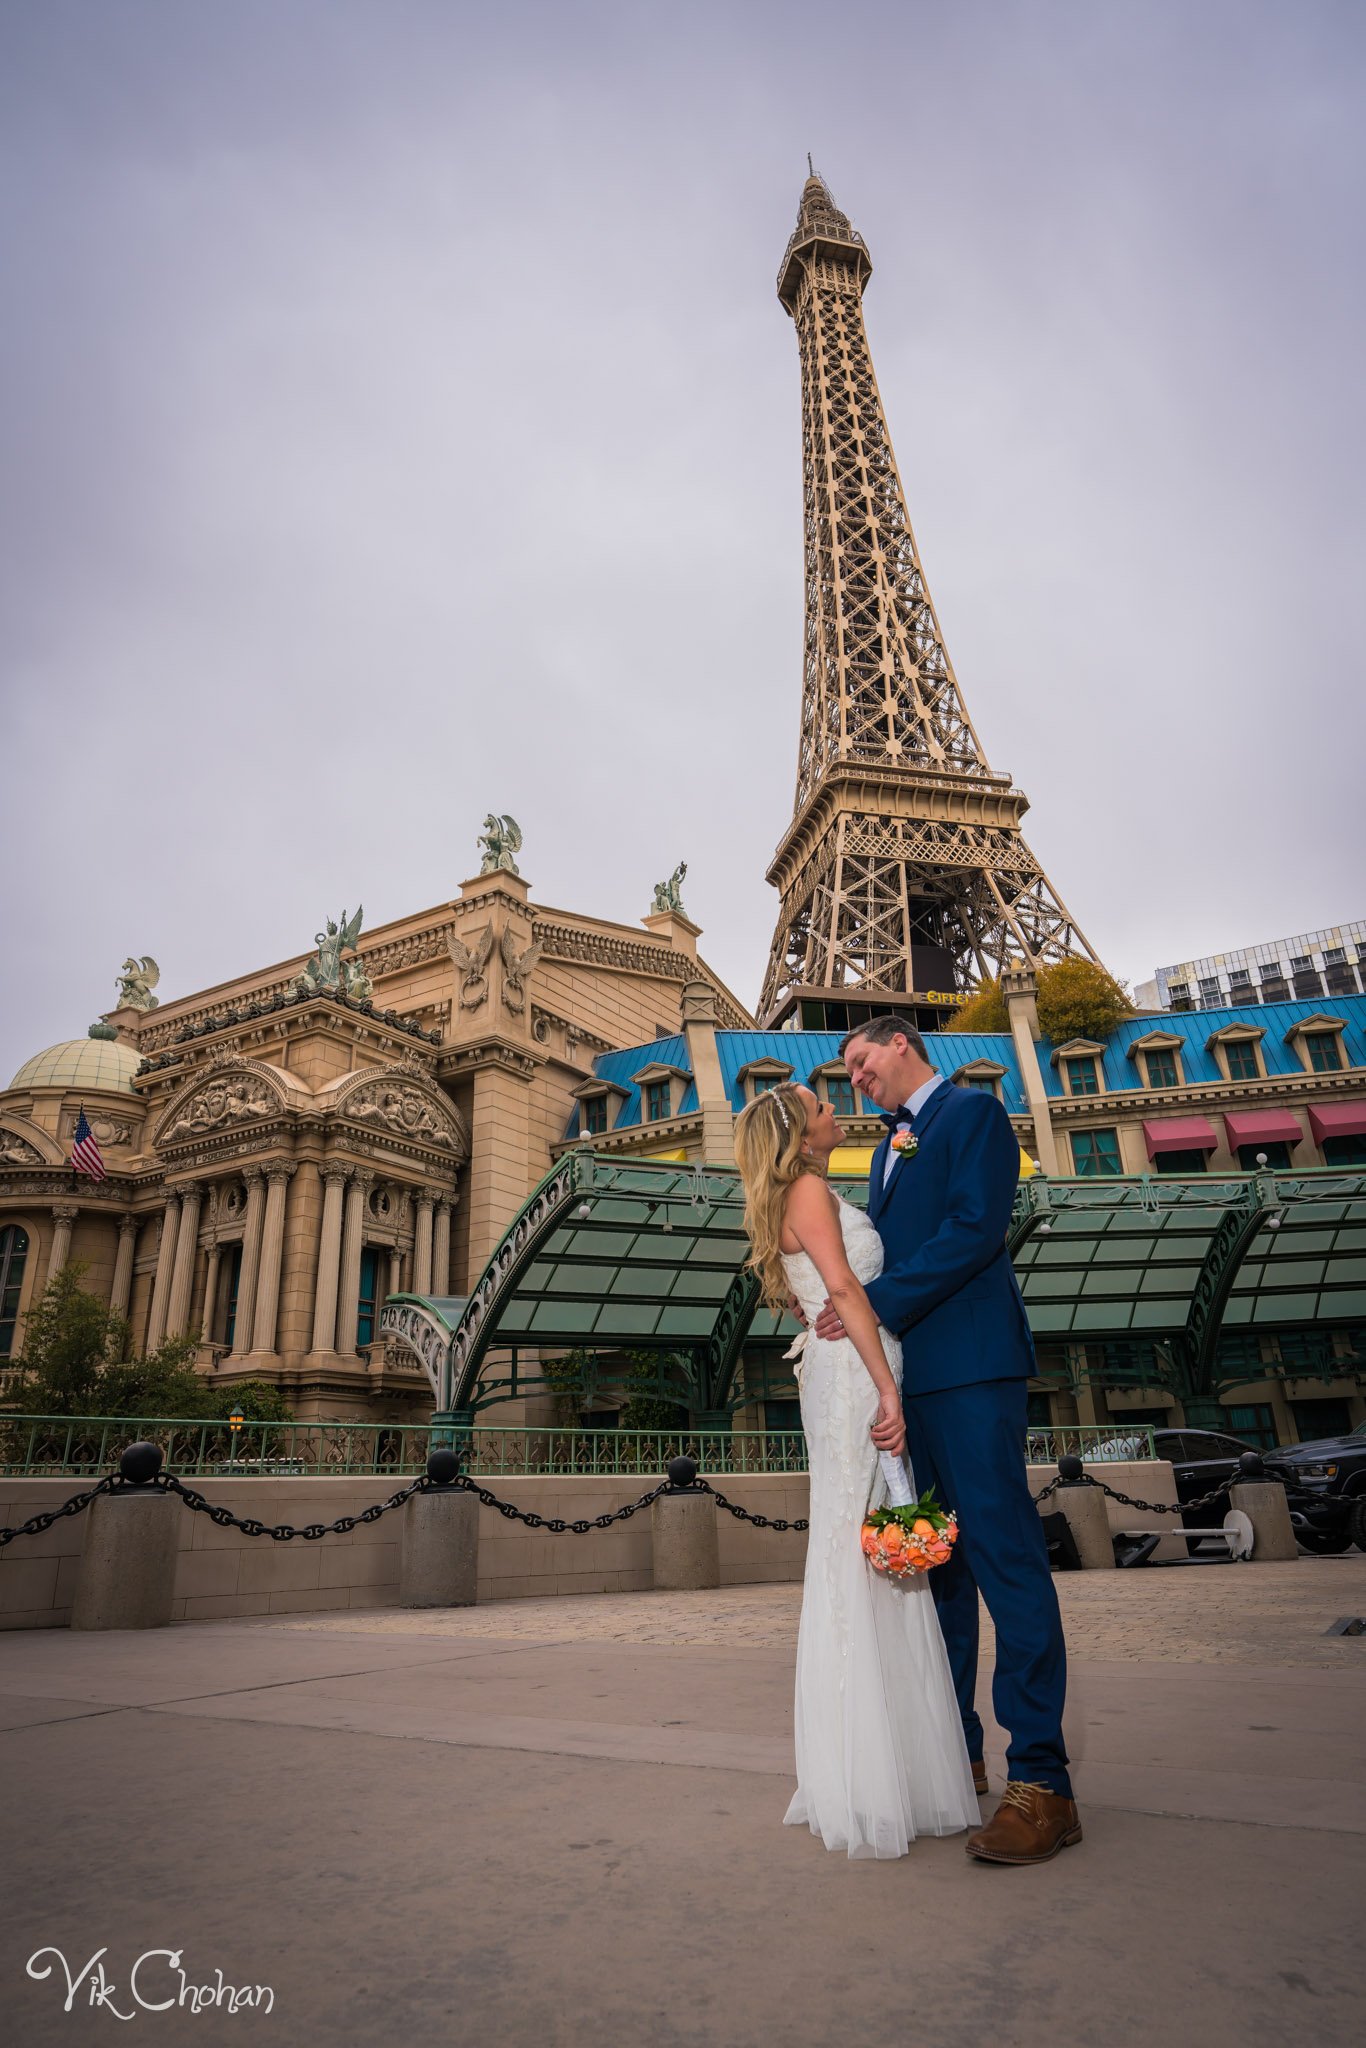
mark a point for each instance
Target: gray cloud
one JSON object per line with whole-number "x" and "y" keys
{"x": 398, "y": 422}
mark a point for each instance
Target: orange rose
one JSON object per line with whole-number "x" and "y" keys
{"x": 922, "y": 1527}
{"x": 938, "y": 1553}
{"x": 869, "y": 1540}
{"x": 893, "y": 1537}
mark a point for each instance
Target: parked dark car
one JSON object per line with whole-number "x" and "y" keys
{"x": 1203, "y": 1458}
{"x": 1334, "y": 1468}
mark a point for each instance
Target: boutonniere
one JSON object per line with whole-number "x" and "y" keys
{"x": 905, "y": 1141}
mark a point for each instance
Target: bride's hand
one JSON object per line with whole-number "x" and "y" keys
{"x": 889, "y": 1431}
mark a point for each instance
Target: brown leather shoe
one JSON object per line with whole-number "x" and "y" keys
{"x": 979, "y": 1778}
{"x": 1030, "y": 1825}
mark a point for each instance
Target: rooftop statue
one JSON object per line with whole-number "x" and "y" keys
{"x": 136, "y": 980}
{"x": 501, "y": 838}
{"x": 669, "y": 895}
{"x": 327, "y": 969}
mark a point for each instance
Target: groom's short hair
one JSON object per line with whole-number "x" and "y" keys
{"x": 882, "y": 1030}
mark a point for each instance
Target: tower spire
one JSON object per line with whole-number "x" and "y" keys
{"x": 903, "y": 871}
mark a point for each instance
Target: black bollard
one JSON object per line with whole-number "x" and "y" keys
{"x": 443, "y": 1466}
{"x": 1071, "y": 1471}
{"x": 140, "y": 1464}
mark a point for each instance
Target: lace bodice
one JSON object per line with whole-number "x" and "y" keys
{"x": 863, "y": 1247}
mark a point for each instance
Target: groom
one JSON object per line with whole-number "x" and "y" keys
{"x": 940, "y": 1193}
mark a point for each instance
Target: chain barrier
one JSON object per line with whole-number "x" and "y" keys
{"x": 281, "y": 1532}
{"x": 1185, "y": 1507}
{"x": 37, "y": 1523}
{"x": 731, "y": 1507}
{"x": 556, "y": 1525}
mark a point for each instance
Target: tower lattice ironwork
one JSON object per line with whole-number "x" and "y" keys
{"x": 903, "y": 870}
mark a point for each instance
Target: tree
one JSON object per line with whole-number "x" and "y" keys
{"x": 69, "y": 1335}
{"x": 984, "y": 1010}
{"x": 73, "y": 1364}
{"x": 1078, "y": 999}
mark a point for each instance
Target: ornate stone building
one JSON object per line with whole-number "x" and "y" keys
{"x": 286, "y": 1150}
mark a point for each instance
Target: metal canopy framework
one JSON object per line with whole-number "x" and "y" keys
{"x": 611, "y": 1257}
{"x": 608, "y": 1257}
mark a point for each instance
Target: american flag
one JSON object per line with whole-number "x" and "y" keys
{"x": 85, "y": 1153}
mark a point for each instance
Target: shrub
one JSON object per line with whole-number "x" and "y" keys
{"x": 984, "y": 1010}
{"x": 1078, "y": 999}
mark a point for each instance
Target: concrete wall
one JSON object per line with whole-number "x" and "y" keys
{"x": 222, "y": 1572}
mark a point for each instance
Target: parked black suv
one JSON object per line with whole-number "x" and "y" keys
{"x": 1334, "y": 1468}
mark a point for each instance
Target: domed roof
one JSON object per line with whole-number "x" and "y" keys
{"x": 81, "y": 1063}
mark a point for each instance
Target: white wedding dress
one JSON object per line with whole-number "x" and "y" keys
{"x": 880, "y": 1750}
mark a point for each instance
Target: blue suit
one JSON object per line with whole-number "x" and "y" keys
{"x": 948, "y": 1290}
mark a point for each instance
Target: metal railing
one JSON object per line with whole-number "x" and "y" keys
{"x": 51, "y": 1446}
{"x": 42, "y": 1446}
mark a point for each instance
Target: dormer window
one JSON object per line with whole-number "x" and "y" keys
{"x": 599, "y": 1106}
{"x": 1325, "y": 1052}
{"x": 1318, "y": 1041}
{"x": 1238, "y": 1049}
{"x": 986, "y": 1075}
{"x": 831, "y": 1084}
{"x": 756, "y": 1077}
{"x": 661, "y": 1091}
{"x": 1079, "y": 1063}
{"x": 1160, "y": 1053}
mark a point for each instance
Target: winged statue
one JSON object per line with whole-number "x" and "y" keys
{"x": 470, "y": 962}
{"x": 501, "y": 838}
{"x": 327, "y": 970}
{"x": 517, "y": 966}
{"x": 136, "y": 980}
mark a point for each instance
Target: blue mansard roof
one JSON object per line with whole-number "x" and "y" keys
{"x": 804, "y": 1052}
{"x": 1195, "y": 1027}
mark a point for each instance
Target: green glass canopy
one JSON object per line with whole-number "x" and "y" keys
{"x": 609, "y": 1256}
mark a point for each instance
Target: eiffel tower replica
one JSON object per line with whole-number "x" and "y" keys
{"x": 904, "y": 876}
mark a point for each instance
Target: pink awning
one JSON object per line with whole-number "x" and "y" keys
{"x": 1262, "y": 1127}
{"x": 1180, "y": 1134}
{"x": 1338, "y": 1119}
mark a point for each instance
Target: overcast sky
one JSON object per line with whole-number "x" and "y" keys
{"x": 397, "y": 422}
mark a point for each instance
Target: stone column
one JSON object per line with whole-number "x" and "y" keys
{"x": 251, "y": 1259}
{"x": 161, "y": 1285}
{"x": 64, "y": 1215}
{"x": 210, "y": 1292}
{"x": 441, "y": 1249}
{"x": 267, "y": 1306}
{"x": 186, "y": 1247}
{"x": 395, "y": 1270}
{"x": 1017, "y": 986}
{"x": 121, "y": 1291}
{"x": 352, "y": 1228}
{"x": 422, "y": 1247}
{"x": 335, "y": 1177}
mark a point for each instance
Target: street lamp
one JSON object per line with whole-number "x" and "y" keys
{"x": 235, "y": 1420}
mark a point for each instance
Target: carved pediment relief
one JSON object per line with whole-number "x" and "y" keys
{"x": 232, "y": 1095}
{"x": 396, "y": 1102}
{"x": 16, "y": 1149}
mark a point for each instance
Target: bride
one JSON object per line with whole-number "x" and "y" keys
{"x": 880, "y": 1750}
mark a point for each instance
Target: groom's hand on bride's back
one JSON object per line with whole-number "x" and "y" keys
{"x": 794, "y": 1308}
{"x": 828, "y": 1326}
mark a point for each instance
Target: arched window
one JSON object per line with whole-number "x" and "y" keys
{"x": 13, "y": 1253}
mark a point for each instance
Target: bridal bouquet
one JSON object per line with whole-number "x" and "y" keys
{"x": 906, "y": 1535}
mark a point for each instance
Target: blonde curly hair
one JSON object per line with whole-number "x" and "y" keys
{"x": 768, "y": 1151}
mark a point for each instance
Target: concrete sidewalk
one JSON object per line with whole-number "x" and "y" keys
{"x": 559, "y": 1822}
